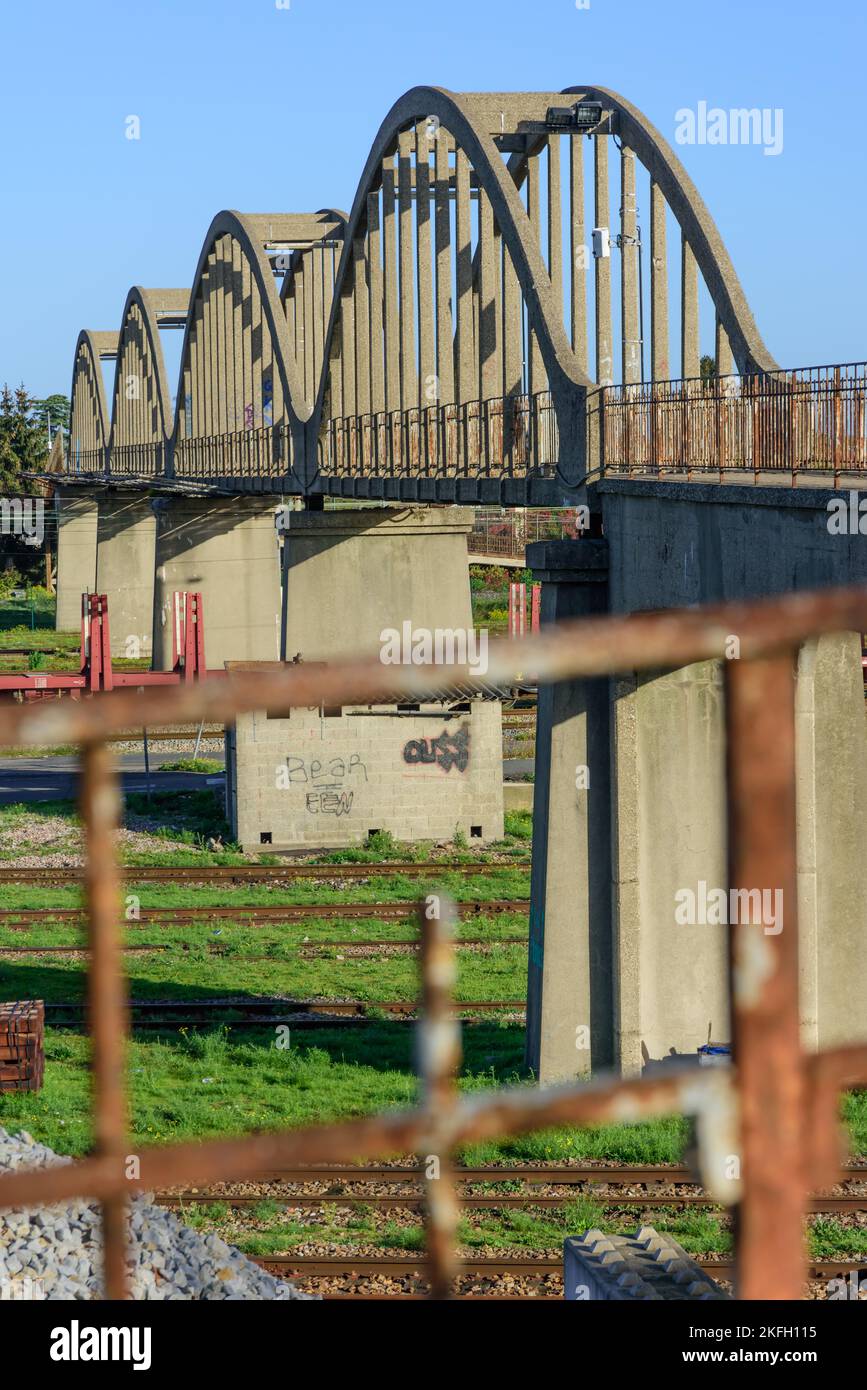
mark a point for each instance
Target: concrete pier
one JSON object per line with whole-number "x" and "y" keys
{"x": 351, "y": 573}
{"x": 652, "y": 985}
{"x": 226, "y": 549}
{"x": 569, "y": 991}
{"x": 125, "y": 553}
{"x": 76, "y": 555}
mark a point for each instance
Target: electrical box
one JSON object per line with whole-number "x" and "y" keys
{"x": 601, "y": 243}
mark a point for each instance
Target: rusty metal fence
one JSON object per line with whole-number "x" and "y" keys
{"x": 776, "y": 1110}
{"x": 264, "y": 452}
{"x": 809, "y": 423}
{"x": 502, "y": 531}
{"x": 505, "y": 437}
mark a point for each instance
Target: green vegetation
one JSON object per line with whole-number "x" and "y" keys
{"x": 203, "y": 765}
{"x": 489, "y": 588}
{"x": 30, "y": 622}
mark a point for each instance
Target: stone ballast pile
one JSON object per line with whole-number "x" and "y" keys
{"x": 56, "y": 1251}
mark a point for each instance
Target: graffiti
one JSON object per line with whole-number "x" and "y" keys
{"x": 329, "y": 803}
{"x": 446, "y": 752}
{"x": 326, "y": 793}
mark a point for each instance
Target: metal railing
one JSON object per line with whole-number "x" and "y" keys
{"x": 506, "y": 437}
{"x": 777, "y": 1108}
{"x": 138, "y": 460}
{"x": 508, "y": 531}
{"x": 265, "y": 452}
{"x": 85, "y": 461}
{"x": 812, "y": 421}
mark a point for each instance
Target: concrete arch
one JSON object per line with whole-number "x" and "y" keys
{"x": 142, "y": 418}
{"x": 471, "y": 120}
{"x": 226, "y": 355}
{"x": 307, "y": 289}
{"x": 697, "y": 224}
{"x": 89, "y": 421}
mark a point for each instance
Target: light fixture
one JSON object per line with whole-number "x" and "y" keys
{"x": 584, "y": 115}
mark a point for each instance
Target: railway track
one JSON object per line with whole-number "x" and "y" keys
{"x": 304, "y": 947}
{"x": 511, "y": 1202}
{"x": 176, "y": 1013}
{"x": 315, "y": 1266}
{"x": 258, "y": 873}
{"x": 21, "y": 919}
{"x": 586, "y": 1178}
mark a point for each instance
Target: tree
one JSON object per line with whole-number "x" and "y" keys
{"x": 53, "y": 411}
{"x": 23, "y": 449}
{"x": 707, "y": 367}
{"x": 23, "y": 445}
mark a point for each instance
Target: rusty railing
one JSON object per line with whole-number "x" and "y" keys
{"x": 777, "y": 1108}
{"x": 505, "y": 437}
{"x": 264, "y": 452}
{"x": 809, "y": 423}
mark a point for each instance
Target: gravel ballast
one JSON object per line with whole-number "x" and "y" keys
{"x": 59, "y": 1248}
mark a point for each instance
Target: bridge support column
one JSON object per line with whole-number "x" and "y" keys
{"x": 76, "y": 555}
{"x": 225, "y": 548}
{"x": 832, "y": 814}
{"x": 349, "y": 574}
{"x": 126, "y": 539}
{"x": 569, "y": 999}
{"x": 674, "y": 544}
{"x": 668, "y": 837}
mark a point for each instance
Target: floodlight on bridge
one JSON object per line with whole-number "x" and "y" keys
{"x": 584, "y": 115}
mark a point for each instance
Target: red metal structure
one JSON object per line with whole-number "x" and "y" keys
{"x": 96, "y": 672}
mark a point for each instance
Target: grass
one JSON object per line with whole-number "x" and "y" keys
{"x": 21, "y": 616}
{"x": 193, "y": 765}
{"x": 244, "y": 968}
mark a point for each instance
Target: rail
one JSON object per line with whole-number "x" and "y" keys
{"x": 777, "y": 1109}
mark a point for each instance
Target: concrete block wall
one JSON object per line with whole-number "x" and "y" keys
{"x": 329, "y": 780}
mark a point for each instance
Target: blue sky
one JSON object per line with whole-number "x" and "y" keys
{"x": 263, "y": 109}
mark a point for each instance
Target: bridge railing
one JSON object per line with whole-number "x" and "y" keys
{"x": 265, "y": 452}
{"x": 138, "y": 460}
{"x": 85, "y": 461}
{"x": 509, "y": 437}
{"x": 812, "y": 421}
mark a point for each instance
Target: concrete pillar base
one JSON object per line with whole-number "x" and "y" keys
{"x": 126, "y": 539}
{"x": 569, "y": 1005}
{"x": 227, "y": 550}
{"x": 351, "y": 573}
{"x": 76, "y": 555}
